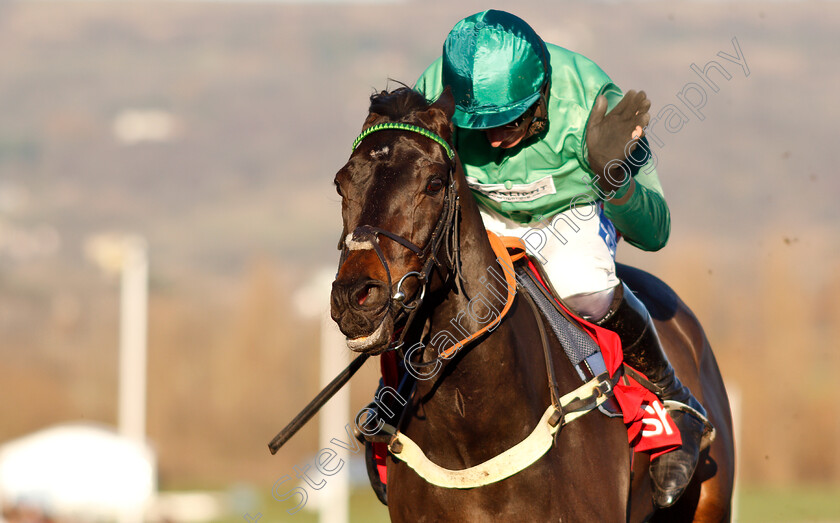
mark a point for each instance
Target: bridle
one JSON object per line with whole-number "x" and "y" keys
{"x": 445, "y": 234}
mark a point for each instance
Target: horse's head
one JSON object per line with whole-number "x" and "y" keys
{"x": 398, "y": 209}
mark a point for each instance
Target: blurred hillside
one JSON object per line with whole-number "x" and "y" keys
{"x": 246, "y": 112}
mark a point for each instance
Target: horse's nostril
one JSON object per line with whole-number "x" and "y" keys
{"x": 363, "y": 294}
{"x": 367, "y": 296}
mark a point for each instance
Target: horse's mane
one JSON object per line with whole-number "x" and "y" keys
{"x": 398, "y": 103}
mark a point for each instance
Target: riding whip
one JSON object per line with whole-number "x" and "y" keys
{"x": 315, "y": 405}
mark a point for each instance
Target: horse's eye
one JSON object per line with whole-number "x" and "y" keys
{"x": 434, "y": 185}
{"x": 338, "y": 189}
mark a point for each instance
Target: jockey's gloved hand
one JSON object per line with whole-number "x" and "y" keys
{"x": 611, "y": 137}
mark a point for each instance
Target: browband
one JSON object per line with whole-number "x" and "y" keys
{"x": 404, "y": 127}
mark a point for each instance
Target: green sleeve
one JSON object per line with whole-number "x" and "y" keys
{"x": 644, "y": 220}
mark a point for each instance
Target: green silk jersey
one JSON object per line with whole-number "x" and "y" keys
{"x": 549, "y": 173}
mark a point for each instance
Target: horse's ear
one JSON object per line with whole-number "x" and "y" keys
{"x": 446, "y": 103}
{"x": 439, "y": 115}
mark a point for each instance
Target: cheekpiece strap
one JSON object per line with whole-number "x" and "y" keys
{"x": 404, "y": 127}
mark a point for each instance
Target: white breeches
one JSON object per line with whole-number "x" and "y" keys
{"x": 577, "y": 251}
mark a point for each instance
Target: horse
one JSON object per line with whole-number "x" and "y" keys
{"x": 410, "y": 267}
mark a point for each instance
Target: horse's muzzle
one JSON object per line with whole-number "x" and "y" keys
{"x": 360, "y": 308}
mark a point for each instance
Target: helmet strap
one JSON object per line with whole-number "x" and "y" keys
{"x": 539, "y": 122}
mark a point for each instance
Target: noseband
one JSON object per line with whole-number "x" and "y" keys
{"x": 446, "y": 229}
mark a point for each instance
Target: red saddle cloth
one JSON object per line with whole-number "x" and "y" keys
{"x": 649, "y": 426}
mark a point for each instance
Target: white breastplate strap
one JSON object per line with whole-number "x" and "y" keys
{"x": 511, "y": 461}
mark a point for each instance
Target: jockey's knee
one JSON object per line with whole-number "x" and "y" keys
{"x": 591, "y": 306}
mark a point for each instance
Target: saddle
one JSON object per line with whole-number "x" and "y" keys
{"x": 582, "y": 351}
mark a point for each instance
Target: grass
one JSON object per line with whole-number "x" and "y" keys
{"x": 790, "y": 505}
{"x": 756, "y": 504}
{"x": 364, "y": 508}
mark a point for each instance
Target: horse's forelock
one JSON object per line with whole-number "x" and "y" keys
{"x": 397, "y": 104}
{"x": 409, "y": 106}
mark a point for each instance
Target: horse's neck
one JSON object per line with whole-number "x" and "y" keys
{"x": 482, "y": 278}
{"x": 504, "y": 367}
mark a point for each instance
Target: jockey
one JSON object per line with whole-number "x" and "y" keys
{"x": 555, "y": 154}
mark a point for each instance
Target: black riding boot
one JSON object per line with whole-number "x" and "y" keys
{"x": 671, "y": 472}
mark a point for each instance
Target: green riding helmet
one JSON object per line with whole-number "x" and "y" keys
{"x": 496, "y": 66}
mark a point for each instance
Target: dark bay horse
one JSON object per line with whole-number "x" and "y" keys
{"x": 397, "y": 192}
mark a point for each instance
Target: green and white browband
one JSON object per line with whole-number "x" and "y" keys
{"x": 404, "y": 127}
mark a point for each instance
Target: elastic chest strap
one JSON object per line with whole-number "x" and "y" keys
{"x": 500, "y": 249}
